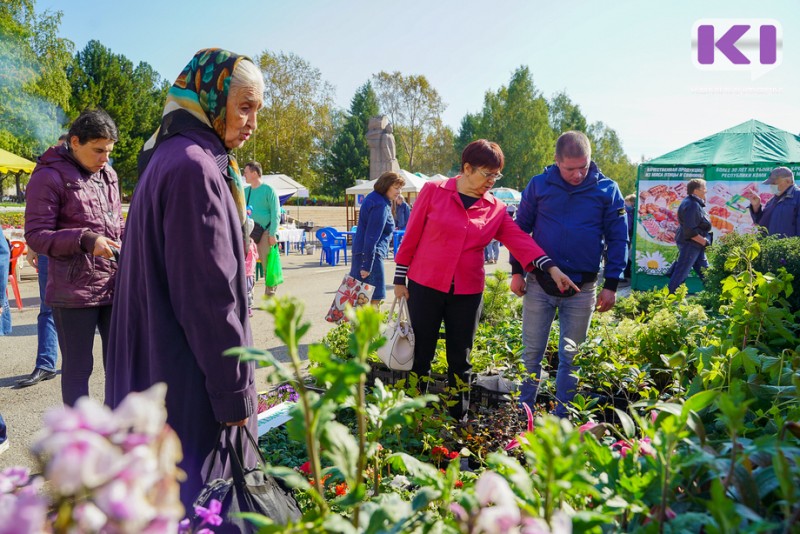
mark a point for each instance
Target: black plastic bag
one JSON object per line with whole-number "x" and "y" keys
{"x": 248, "y": 490}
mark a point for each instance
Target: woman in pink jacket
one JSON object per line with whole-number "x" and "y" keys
{"x": 442, "y": 257}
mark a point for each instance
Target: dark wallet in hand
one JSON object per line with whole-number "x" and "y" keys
{"x": 549, "y": 285}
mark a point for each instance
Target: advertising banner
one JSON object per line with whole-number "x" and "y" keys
{"x": 661, "y": 190}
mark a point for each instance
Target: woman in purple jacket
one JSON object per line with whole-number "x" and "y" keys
{"x": 181, "y": 297}
{"x": 73, "y": 216}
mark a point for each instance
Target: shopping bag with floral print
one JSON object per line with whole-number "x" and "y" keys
{"x": 352, "y": 291}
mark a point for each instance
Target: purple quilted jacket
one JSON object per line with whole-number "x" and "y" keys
{"x": 67, "y": 208}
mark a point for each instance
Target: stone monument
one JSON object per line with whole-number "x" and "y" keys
{"x": 382, "y": 148}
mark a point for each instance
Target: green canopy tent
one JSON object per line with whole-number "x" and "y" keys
{"x": 732, "y": 162}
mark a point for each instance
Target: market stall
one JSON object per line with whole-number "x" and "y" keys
{"x": 732, "y": 162}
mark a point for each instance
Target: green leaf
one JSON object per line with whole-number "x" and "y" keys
{"x": 292, "y": 478}
{"x": 396, "y": 415}
{"x": 341, "y": 448}
{"x": 258, "y": 520}
{"x": 628, "y": 427}
{"x": 422, "y": 473}
{"x": 699, "y": 401}
{"x": 511, "y": 469}
{"x": 338, "y": 524}
{"x": 424, "y": 497}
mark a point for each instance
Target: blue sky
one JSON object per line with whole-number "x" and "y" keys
{"x": 626, "y": 63}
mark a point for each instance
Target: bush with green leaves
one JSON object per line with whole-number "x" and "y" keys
{"x": 724, "y": 258}
{"x": 499, "y": 303}
{"x": 718, "y": 452}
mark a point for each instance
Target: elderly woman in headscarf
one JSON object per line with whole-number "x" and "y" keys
{"x": 181, "y": 295}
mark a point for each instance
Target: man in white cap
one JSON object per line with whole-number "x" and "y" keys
{"x": 781, "y": 214}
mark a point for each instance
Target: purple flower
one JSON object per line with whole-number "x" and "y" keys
{"x": 210, "y": 515}
{"x": 12, "y": 478}
{"x": 24, "y": 512}
{"x": 185, "y": 526}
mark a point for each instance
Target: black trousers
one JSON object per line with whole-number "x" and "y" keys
{"x": 461, "y": 313}
{"x": 76, "y": 328}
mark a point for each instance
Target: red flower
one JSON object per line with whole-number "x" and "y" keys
{"x": 439, "y": 452}
{"x": 305, "y": 468}
{"x": 459, "y": 484}
{"x": 341, "y": 489}
{"x": 453, "y": 455}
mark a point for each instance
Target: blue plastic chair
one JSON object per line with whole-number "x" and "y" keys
{"x": 342, "y": 238}
{"x": 331, "y": 245}
{"x": 398, "y": 238}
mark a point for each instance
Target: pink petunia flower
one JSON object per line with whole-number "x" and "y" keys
{"x": 521, "y": 439}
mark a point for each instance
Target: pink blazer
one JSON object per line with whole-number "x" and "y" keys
{"x": 444, "y": 242}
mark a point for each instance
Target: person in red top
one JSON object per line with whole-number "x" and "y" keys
{"x": 442, "y": 256}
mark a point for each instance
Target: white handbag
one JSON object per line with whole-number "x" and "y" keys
{"x": 398, "y": 351}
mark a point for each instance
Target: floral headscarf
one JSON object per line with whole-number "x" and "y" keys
{"x": 198, "y": 100}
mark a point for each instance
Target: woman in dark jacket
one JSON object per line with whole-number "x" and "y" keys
{"x": 181, "y": 297}
{"x": 692, "y": 236}
{"x": 374, "y": 232}
{"x": 73, "y": 215}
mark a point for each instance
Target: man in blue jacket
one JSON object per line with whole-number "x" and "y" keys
{"x": 573, "y": 211}
{"x": 781, "y": 215}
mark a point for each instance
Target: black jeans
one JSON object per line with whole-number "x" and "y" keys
{"x": 461, "y": 313}
{"x": 76, "y": 327}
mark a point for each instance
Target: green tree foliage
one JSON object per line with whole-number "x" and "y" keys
{"x": 348, "y": 159}
{"x": 467, "y": 132}
{"x": 133, "y": 96}
{"x": 516, "y": 117}
{"x": 437, "y": 154}
{"x": 413, "y": 107}
{"x": 34, "y": 91}
{"x": 610, "y": 157}
{"x": 296, "y": 127}
{"x": 565, "y": 115}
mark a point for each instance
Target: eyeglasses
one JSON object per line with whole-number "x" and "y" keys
{"x": 490, "y": 175}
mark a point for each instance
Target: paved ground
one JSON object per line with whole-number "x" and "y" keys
{"x": 23, "y": 409}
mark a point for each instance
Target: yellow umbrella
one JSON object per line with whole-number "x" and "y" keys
{"x": 13, "y": 163}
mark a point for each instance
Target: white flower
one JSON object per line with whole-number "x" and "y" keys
{"x": 499, "y": 512}
{"x": 652, "y": 262}
{"x": 400, "y": 482}
{"x": 89, "y": 517}
{"x": 80, "y": 459}
{"x": 143, "y": 412}
{"x": 492, "y": 488}
{"x": 561, "y": 524}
